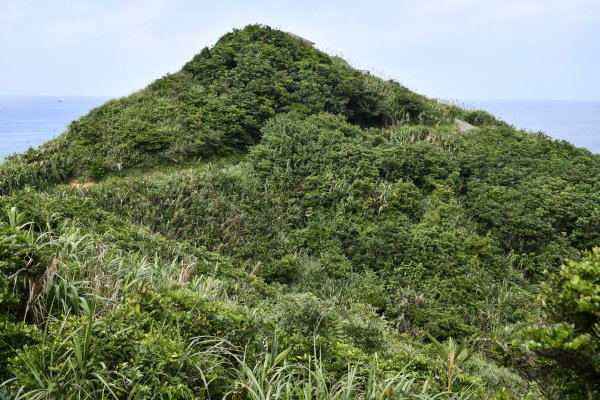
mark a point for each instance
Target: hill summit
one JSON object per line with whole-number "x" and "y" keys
{"x": 220, "y": 100}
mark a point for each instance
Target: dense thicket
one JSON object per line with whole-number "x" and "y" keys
{"x": 272, "y": 223}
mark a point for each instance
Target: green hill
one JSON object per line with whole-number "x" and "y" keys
{"x": 271, "y": 220}
{"x": 219, "y": 101}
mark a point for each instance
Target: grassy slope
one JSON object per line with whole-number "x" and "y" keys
{"x": 337, "y": 209}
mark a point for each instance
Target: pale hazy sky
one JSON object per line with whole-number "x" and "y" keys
{"x": 451, "y": 49}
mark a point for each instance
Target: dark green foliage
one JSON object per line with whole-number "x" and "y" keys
{"x": 357, "y": 203}
{"x": 534, "y": 194}
{"x": 568, "y": 336}
{"x": 22, "y": 260}
{"x": 16, "y": 173}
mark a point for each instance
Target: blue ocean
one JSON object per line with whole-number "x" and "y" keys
{"x": 29, "y": 121}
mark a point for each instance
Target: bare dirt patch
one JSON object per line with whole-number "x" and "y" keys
{"x": 81, "y": 185}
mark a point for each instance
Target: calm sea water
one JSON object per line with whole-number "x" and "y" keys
{"x": 29, "y": 121}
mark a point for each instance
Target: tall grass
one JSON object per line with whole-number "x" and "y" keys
{"x": 276, "y": 377}
{"x": 84, "y": 302}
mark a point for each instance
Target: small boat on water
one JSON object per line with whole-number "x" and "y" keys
{"x": 61, "y": 100}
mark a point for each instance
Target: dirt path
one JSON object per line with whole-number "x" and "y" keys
{"x": 80, "y": 185}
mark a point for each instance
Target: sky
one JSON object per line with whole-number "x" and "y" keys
{"x": 446, "y": 49}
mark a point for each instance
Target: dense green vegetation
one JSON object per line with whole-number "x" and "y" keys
{"x": 271, "y": 223}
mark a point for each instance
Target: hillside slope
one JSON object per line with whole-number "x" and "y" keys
{"x": 269, "y": 218}
{"x": 218, "y": 103}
